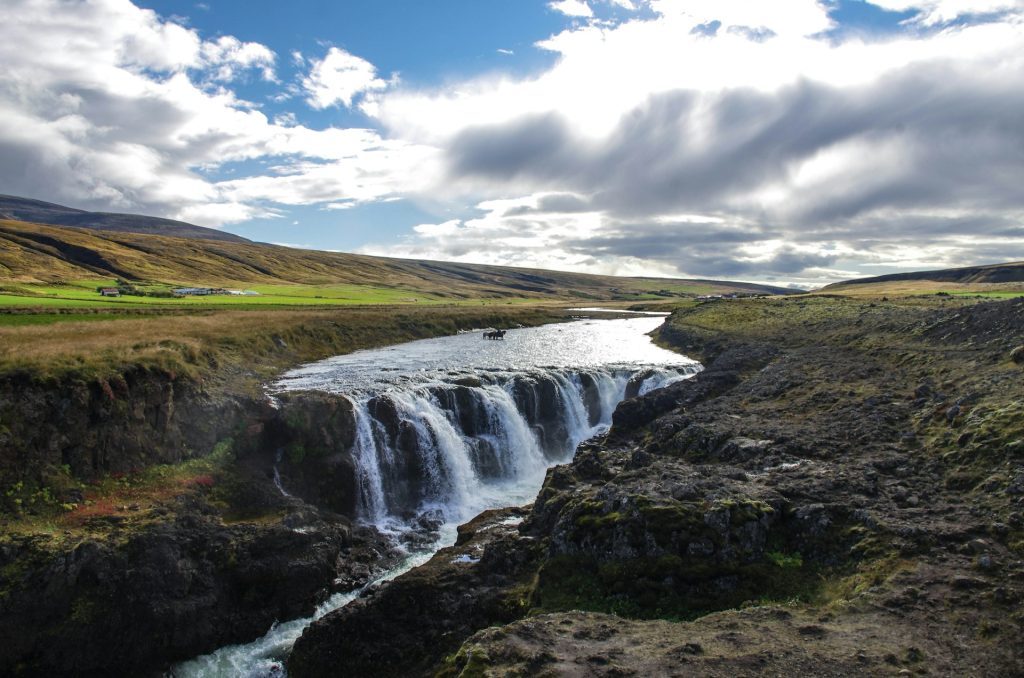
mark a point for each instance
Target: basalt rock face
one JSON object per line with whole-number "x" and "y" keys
{"x": 722, "y": 374}
{"x": 838, "y": 493}
{"x": 131, "y": 603}
{"x": 404, "y": 627}
{"x": 617, "y": 528}
{"x": 109, "y": 425}
{"x": 311, "y": 436}
{"x": 135, "y": 588}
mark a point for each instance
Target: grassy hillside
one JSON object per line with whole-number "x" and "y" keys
{"x": 997, "y": 280}
{"x": 56, "y": 266}
{"x": 37, "y": 211}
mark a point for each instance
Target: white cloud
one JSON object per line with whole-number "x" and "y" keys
{"x": 760, "y": 136}
{"x": 228, "y": 54}
{"x": 575, "y": 8}
{"x": 661, "y": 143}
{"x": 939, "y": 11}
{"x": 340, "y": 77}
{"x": 124, "y": 117}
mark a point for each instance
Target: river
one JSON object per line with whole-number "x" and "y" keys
{"x": 449, "y": 427}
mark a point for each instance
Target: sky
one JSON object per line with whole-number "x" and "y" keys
{"x": 796, "y": 142}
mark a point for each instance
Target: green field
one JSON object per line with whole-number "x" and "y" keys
{"x": 25, "y": 319}
{"x": 988, "y": 295}
{"x": 83, "y": 294}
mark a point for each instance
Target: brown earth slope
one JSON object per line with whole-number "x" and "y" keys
{"x": 995, "y": 274}
{"x": 40, "y": 212}
{"x": 38, "y": 253}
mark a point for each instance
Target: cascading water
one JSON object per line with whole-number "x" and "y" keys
{"x": 455, "y": 448}
{"x": 446, "y": 428}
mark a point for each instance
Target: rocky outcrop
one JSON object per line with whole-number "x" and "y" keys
{"x": 311, "y": 436}
{"x": 618, "y": 529}
{"x": 131, "y": 601}
{"x": 837, "y": 493}
{"x": 96, "y": 582}
{"x": 119, "y": 424}
{"x": 405, "y": 627}
{"x": 722, "y": 374}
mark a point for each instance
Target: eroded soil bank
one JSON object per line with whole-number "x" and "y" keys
{"x": 839, "y": 493}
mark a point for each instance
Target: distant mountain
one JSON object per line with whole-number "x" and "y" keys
{"x": 39, "y": 212}
{"x": 995, "y": 273}
{"x": 31, "y": 252}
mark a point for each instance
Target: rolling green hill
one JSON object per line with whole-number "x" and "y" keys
{"x": 995, "y": 273}
{"x": 993, "y": 280}
{"x": 34, "y": 259}
{"x": 37, "y": 211}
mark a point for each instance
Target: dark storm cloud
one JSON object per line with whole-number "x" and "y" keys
{"x": 958, "y": 140}
{"x": 25, "y": 171}
{"x": 667, "y": 242}
{"x": 914, "y": 228}
{"x": 715, "y": 261}
{"x": 698, "y": 249}
{"x": 556, "y": 203}
{"x": 80, "y": 173}
{"x": 528, "y": 146}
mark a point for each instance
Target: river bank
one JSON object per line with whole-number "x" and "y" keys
{"x": 140, "y": 520}
{"x": 839, "y": 492}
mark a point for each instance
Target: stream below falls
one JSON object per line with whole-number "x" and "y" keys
{"x": 446, "y": 428}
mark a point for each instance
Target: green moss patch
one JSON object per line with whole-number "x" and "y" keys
{"x": 670, "y": 587}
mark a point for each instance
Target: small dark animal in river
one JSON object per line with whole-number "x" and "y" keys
{"x": 496, "y": 334}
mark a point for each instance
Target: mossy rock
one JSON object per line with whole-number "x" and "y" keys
{"x": 670, "y": 587}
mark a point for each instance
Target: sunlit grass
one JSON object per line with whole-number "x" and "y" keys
{"x": 23, "y": 319}
{"x": 895, "y": 288}
{"x": 197, "y": 340}
{"x": 82, "y": 294}
{"x": 989, "y": 295}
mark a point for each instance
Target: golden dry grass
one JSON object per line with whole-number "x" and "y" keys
{"x": 916, "y": 287}
{"x": 262, "y": 341}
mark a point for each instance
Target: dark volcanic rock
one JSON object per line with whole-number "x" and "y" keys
{"x": 128, "y": 605}
{"x": 408, "y": 625}
{"x": 114, "y": 425}
{"x": 720, "y": 376}
{"x": 313, "y": 434}
{"x": 839, "y": 489}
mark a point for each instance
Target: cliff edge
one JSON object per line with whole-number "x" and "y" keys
{"x": 840, "y": 492}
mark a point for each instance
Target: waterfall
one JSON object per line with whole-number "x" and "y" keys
{"x": 447, "y": 427}
{"x": 453, "y": 449}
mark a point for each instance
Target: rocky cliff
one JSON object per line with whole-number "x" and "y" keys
{"x": 140, "y": 520}
{"x": 86, "y": 427}
{"x": 133, "y": 598}
{"x": 168, "y": 545}
{"x": 839, "y": 493}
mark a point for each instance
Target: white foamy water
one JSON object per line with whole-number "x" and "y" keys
{"x": 453, "y": 426}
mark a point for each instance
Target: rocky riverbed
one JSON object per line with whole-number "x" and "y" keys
{"x": 840, "y": 493}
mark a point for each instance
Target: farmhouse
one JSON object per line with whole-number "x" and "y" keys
{"x": 206, "y": 291}
{"x": 110, "y": 292}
